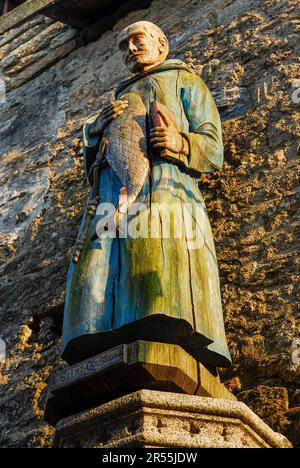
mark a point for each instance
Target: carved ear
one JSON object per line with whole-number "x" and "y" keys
{"x": 164, "y": 44}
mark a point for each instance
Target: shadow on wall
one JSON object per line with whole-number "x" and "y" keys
{"x": 8, "y": 5}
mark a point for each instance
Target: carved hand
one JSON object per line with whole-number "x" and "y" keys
{"x": 109, "y": 113}
{"x": 168, "y": 137}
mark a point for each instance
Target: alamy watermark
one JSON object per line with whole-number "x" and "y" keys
{"x": 2, "y": 351}
{"x": 2, "y": 89}
{"x": 296, "y": 92}
{"x": 163, "y": 221}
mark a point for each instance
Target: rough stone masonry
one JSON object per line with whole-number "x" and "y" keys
{"x": 248, "y": 54}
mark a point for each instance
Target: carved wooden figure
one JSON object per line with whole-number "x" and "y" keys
{"x": 149, "y": 147}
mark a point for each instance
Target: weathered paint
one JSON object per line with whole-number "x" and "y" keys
{"x": 124, "y": 290}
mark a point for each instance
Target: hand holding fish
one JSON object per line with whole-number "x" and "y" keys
{"x": 108, "y": 114}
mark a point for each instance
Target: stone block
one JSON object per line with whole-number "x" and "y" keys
{"x": 151, "y": 419}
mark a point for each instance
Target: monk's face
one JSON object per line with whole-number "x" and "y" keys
{"x": 142, "y": 48}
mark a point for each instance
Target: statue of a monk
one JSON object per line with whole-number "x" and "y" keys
{"x": 123, "y": 289}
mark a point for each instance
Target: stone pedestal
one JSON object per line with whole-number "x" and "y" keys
{"x": 150, "y": 395}
{"x": 151, "y": 419}
{"x": 127, "y": 369}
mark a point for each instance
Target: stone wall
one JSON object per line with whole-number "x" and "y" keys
{"x": 246, "y": 51}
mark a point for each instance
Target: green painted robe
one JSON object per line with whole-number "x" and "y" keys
{"x": 154, "y": 289}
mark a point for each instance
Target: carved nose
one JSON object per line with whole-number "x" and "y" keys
{"x": 132, "y": 47}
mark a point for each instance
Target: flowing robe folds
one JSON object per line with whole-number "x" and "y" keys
{"x": 154, "y": 288}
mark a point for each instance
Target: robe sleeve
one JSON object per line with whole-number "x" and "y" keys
{"x": 206, "y": 152}
{"x": 90, "y": 144}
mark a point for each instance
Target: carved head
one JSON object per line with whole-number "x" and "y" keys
{"x": 143, "y": 46}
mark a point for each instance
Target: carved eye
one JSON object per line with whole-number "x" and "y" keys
{"x": 139, "y": 37}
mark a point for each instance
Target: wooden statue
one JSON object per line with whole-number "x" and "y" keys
{"x": 148, "y": 148}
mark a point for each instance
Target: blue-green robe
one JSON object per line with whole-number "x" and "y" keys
{"x": 153, "y": 289}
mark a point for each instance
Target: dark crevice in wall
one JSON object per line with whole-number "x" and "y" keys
{"x": 47, "y": 325}
{"x": 81, "y": 14}
{"x": 106, "y": 23}
{"x": 9, "y": 5}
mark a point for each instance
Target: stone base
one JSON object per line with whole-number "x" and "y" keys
{"x": 126, "y": 369}
{"x": 150, "y": 419}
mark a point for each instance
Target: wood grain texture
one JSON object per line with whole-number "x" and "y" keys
{"x": 144, "y": 365}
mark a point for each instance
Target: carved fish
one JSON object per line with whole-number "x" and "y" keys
{"x": 126, "y": 148}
